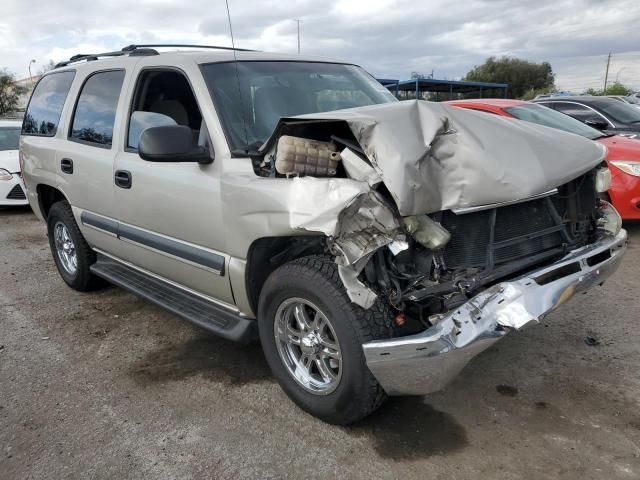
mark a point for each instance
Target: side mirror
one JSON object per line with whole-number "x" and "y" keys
{"x": 171, "y": 143}
{"x": 597, "y": 122}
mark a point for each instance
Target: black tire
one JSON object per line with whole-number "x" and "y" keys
{"x": 82, "y": 280}
{"x": 316, "y": 279}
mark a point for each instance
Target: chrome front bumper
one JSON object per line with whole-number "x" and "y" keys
{"x": 426, "y": 362}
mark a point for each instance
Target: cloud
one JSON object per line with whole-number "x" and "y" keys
{"x": 390, "y": 38}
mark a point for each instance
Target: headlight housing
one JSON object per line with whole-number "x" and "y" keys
{"x": 628, "y": 166}
{"x": 610, "y": 219}
{"x": 603, "y": 179}
{"x": 5, "y": 175}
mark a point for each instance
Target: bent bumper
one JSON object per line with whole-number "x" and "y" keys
{"x": 426, "y": 362}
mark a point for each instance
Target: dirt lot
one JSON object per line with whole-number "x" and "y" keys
{"x": 104, "y": 385}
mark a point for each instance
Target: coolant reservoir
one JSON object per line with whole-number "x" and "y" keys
{"x": 303, "y": 156}
{"x": 426, "y": 231}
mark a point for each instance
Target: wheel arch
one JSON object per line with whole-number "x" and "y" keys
{"x": 268, "y": 253}
{"x": 47, "y": 196}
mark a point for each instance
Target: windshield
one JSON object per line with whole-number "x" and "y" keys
{"x": 550, "y": 118}
{"x": 9, "y": 138}
{"x": 253, "y": 99}
{"x": 619, "y": 112}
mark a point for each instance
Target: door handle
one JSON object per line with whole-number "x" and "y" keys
{"x": 66, "y": 165}
{"x": 123, "y": 178}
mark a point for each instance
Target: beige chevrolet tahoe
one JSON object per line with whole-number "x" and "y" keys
{"x": 373, "y": 246}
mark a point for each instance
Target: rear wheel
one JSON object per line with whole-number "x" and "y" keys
{"x": 312, "y": 336}
{"x": 71, "y": 253}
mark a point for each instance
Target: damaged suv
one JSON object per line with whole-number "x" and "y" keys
{"x": 374, "y": 246}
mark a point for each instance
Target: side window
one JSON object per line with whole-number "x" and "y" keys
{"x": 45, "y": 106}
{"x": 574, "y": 110}
{"x": 95, "y": 112}
{"x": 164, "y": 97}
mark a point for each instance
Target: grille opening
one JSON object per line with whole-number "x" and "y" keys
{"x": 599, "y": 258}
{"x": 16, "y": 193}
{"x": 558, "y": 273}
{"x": 522, "y": 232}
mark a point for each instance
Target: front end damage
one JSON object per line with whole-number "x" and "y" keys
{"x": 467, "y": 225}
{"x": 427, "y": 361}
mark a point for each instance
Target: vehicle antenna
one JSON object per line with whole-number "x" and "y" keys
{"x": 235, "y": 58}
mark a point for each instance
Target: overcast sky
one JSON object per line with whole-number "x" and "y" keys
{"x": 389, "y": 38}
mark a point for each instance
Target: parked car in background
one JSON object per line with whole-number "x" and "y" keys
{"x": 623, "y": 153}
{"x": 620, "y": 98}
{"x": 633, "y": 100}
{"x": 603, "y": 113}
{"x": 11, "y": 186}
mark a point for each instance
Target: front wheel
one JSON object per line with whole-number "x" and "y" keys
{"x": 312, "y": 337}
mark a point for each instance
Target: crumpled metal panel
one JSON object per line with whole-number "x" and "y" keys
{"x": 364, "y": 226}
{"x": 315, "y": 203}
{"x": 435, "y": 157}
{"x": 357, "y": 220}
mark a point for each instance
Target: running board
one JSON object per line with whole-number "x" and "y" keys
{"x": 193, "y": 308}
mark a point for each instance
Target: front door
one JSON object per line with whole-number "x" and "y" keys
{"x": 170, "y": 219}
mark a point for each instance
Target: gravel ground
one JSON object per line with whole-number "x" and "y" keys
{"x": 104, "y": 385}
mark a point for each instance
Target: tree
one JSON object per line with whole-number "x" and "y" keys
{"x": 521, "y": 75}
{"x": 9, "y": 92}
{"x": 616, "y": 88}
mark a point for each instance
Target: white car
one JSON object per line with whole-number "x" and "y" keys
{"x": 11, "y": 186}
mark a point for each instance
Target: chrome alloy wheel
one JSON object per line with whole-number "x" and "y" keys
{"x": 308, "y": 346}
{"x": 65, "y": 248}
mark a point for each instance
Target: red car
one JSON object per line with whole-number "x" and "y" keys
{"x": 623, "y": 157}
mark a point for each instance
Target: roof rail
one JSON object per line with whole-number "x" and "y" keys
{"x": 178, "y": 45}
{"x": 140, "y": 50}
{"x": 95, "y": 56}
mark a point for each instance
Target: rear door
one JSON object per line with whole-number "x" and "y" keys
{"x": 85, "y": 160}
{"x": 170, "y": 214}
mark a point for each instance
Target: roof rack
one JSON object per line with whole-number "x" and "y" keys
{"x": 178, "y": 45}
{"x": 139, "y": 50}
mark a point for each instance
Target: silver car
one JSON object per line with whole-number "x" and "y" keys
{"x": 373, "y": 246}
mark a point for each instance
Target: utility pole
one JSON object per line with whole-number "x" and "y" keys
{"x": 298, "y": 21}
{"x": 606, "y": 74}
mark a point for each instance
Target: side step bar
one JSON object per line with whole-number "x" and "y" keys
{"x": 197, "y": 310}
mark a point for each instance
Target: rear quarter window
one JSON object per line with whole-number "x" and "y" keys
{"x": 45, "y": 106}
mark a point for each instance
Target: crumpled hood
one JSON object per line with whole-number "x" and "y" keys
{"x": 435, "y": 157}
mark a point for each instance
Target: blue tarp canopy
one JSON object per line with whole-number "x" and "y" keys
{"x": 449, "y": 87}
